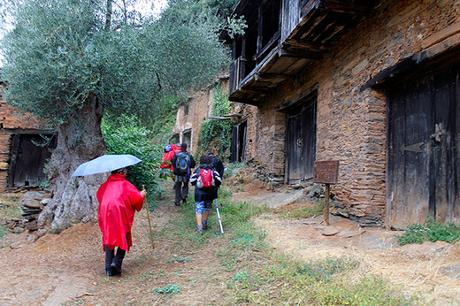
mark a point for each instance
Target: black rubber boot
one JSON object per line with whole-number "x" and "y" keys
{"x": 109, "y": 256}
{"x": 118, "y": 262}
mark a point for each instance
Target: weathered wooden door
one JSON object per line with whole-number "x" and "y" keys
{"x": 301, "y": 141}
{"x": 27, "y": 160}
{"x": 424, "y": 149}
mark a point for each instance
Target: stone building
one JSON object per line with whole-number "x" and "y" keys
{"x": 372, "y": 84}
{"x": 25, "y": 145}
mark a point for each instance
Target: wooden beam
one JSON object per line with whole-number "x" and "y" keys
{"x": 314, "y": 47}
{"x": 348, "y": 8}
{"x": 300, "y": 54}
{"x": 270, "y": 77}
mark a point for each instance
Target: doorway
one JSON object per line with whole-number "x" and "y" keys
{"x": 28, "y": 156}
{"x": 301, "y": 140}
{"x": 238, "y": 146}
{"x": 424, "y": 148}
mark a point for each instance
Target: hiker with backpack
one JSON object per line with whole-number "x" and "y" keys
{"x": 206, "y": 180}
{"x": 217, "y": 165}
{"x": 182, "y": 163}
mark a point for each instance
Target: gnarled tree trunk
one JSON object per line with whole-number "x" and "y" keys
{"x": 74, "y": 199}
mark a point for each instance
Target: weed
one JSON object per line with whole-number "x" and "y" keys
{"x": 240, "y": 276}
{"x": 2, "y": 231}
{"x": 168, "y": 289}
{"x": 324, "y": 269}
{"x": 179, "y": 259}
{"x": 430, "y": 231}
{"x": 371, "y": 291}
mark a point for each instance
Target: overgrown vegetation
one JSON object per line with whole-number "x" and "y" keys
{"x": 259, "y": 275}
{"x": 126, "y": 135}
{"x": 217, "y": 134}
{"x": 430, "y": 231}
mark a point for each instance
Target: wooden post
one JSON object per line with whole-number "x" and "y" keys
{"x": 326, "y": 204}
{"x": 327, "y": 173}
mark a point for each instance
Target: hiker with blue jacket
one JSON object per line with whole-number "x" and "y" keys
{"x": 206, "y": 180}
{"x": 182, "y": 163}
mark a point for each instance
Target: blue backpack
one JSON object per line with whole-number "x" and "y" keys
{"x": 182, "y": 166}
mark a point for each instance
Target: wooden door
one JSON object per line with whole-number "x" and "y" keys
{"x": 29, "y": 155}
{"x": 423, "y": 163}
{"x": 301, "y": 141}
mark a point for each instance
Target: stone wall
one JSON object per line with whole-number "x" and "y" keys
{"x": 199, "y": 105}
{"x": 351, "y": 124}
{"x": 12, "y": 121}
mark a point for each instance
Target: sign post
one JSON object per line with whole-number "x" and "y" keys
{"x": 326, "y": 172}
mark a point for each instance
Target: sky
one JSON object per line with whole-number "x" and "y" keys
{"x": 146, "y": 7}
{"x": 151, "y": 7}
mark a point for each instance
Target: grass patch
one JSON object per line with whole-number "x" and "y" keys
{"x": 3, "y": 231}
{"x": 258, "y": 275}
{"x": 283, "y": 281}
{"x": 181, "y": 229}
{"x": 302, "y": 212}
{"x": 179, "y": 259}
{"x": 430, "y": 231}
{"x": 9, "y": 207}
{"x": 168, "y": 289}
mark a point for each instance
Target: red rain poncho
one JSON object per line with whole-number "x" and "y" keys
{"x": 118, "y": 200}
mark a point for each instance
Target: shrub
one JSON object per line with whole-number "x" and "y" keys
{"x": 125, "y": 135}
{"x": 430, "y": 231}
{"x": 217, "y": 133}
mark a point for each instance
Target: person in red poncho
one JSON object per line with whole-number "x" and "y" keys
{"x": 118, "y": 201}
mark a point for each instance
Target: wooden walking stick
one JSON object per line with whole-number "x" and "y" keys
{"x": 150, "y": 223}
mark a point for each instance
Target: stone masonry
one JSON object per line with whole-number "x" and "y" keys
{"x": 11, "y": 121}
{"x": 199, "y": 107}
{"x": 351, "y": 124}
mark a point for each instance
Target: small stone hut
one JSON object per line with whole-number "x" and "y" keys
{"x": 25, "y": 146}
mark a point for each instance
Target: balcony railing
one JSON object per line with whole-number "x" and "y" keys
{"x": 238, "y": 72}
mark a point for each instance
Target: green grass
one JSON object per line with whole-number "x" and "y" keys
{"x": 179, "y": 259}
{"x": 258, "y": 275}
{"x": 9, "y": 208}
{"x": 3, "y": 231}
{"x": 303, "y": 212}
{"x": 168, "y": 289}
{"x": 430, "y": 231}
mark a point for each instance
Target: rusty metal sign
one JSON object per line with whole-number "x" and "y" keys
{"x": 326, "y": 172}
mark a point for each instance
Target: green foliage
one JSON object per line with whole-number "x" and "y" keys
{"x": 217, "y": 134}
{"x": 163, "y": 119}
{"x": 168, "y": 289}
{"x": 430, "y": 231}
{"x": 2, "y": 231}
{"x": 61, "y": 52}
{"x": 125, "y": 135}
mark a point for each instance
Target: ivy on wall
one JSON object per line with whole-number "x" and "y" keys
{"x": 217, "y": 134}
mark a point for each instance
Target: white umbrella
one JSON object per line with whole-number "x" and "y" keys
{"x": 106, "y": 163}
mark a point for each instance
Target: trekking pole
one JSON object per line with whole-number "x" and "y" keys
{"x": 150, "y": 223}
{"x": 219, "y": 220}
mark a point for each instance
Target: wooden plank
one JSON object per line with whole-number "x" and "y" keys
{"x": 441, "y": 35}
{"x": 300, "y": 53}
{"x": 349, "y": 8}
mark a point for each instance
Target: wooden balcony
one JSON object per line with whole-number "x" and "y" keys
{"x": 309, "y": 29}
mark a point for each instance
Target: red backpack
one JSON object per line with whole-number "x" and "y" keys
{"x": 206, "y": 178}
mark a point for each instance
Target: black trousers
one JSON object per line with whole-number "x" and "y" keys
{"x": 181, "y": 189}
{"x": 112, "y": 257}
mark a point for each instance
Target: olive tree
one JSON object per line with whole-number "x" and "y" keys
{"x": 70, "y": 61}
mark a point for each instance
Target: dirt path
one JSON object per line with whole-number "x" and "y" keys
{"x": 68, "y": 269}
{"x": 430, "y": 270}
